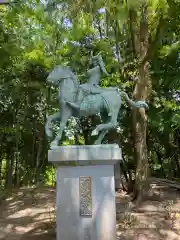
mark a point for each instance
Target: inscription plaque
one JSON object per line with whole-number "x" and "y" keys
{"x": 85, "y": 196}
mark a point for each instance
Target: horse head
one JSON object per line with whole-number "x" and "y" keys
{"x": 60, "y": 73}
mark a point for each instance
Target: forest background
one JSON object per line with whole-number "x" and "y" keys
{"x": 139, "y": 42}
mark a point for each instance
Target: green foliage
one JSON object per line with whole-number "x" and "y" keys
{"x": 3, "y": 194}
{"x": 34, "y": 37}
{"x": 50, "y": 176}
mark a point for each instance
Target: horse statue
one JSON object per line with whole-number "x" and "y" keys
{"x": 86, "y": 100}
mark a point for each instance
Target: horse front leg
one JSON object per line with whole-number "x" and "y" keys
{"x": 50, "y": 118}
{"x": 66, "y": 115}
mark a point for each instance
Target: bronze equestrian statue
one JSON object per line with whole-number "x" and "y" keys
{"x": 86, "y": 99}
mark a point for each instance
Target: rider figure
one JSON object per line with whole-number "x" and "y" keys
{"x": 91, "y": 87}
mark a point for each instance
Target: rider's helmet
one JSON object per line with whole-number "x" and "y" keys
{"x": 97, "y": 60}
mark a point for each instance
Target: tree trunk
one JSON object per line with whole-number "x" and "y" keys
{"x": 17, "y": 173}
{"x": 177, "y": 164}
{"x": 9, "y": 171}
{"x": 159, "y": 157}
{"x": 0, "y": 170}
{"x": 1, "y": 158}
{"x": 140, "y": 44}
{"x": 39, "y": 154}
{"x": 140, "y": 129}
{"x": 141, "y": 156}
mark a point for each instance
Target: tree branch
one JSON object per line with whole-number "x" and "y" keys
{"x": 153, "y": 44}
{"x": 133, "y": 31}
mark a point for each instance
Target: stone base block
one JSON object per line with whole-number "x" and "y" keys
{"x": 85, "y": 192}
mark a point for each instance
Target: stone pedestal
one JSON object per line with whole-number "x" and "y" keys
{"x": 85, "y": 191}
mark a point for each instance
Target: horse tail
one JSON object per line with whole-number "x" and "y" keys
{"x": 128, "y": 100}
{"x": 138, "y": 104}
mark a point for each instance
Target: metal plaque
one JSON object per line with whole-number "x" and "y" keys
{"x": 85, "y": 196}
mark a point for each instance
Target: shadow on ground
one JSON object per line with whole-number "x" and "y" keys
{"x": 157, "y": 218}
{"x": 29, "y": 214}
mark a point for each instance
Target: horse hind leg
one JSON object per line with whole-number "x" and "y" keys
{"x": 101, "y": 136}
{"x": 107, "y": 126}
{"x": 104, "y": 132}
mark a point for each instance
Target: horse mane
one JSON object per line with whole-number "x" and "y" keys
{"x": 67, "y": 70}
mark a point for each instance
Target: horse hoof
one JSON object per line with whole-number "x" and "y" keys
{"x": 53, "y": 144}
{"x": 94, "y": 132}
{"x": 49, "y": 134}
